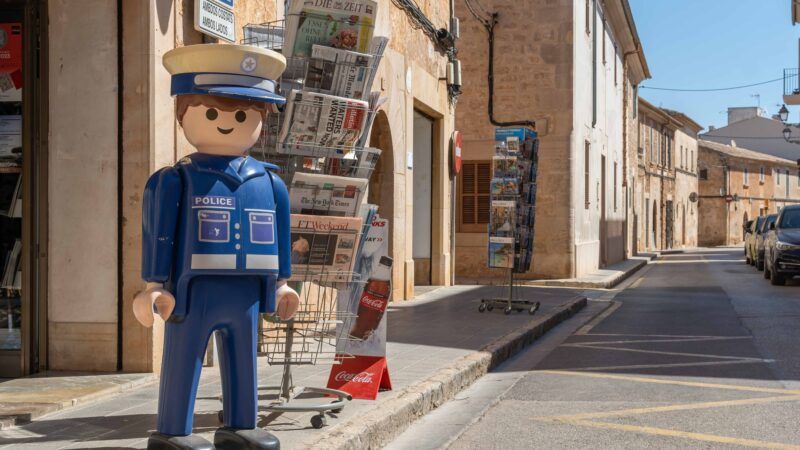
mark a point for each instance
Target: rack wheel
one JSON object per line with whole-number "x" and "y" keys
{"x": 318, "y": 421}
{"x": 482, "y": 307}
{"x": 507, "y": 311}
{"x": 220, "y": 417}
{"x": 489, "y": 307}
{"x": 534, "y": 308}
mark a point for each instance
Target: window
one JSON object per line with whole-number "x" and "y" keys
{"x": 586, "y": 201}
{"x": 474, "y": 193}
{"x": 604, "y": 38}
{"x": 761, "y": 175}
{"x": 703, "y": 174}
{"x": 777, "y": 174}
{"x": 652, "y": 144}
{"x": 691, "y": 160}
{"x": 787, "y": 184}
{"x": 746, "y": 176}
{"x": 681, "y": 157}
{"x": 615, "y": 64}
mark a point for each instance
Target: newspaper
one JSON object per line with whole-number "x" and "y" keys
{"x": 342, "y": 24}
{"x": 501, "y": 252}
{"x": 324, "y": 245}
{"x": 318, "y": 194}
{"x": 339, "y": 72}
{"x": 314, "y": 122}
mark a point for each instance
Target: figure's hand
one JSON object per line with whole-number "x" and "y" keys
{"x": 288, "y": 301}
{"x": 153, "y": 295}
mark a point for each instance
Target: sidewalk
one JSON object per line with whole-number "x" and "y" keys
{"x": 438, "y": 344}
{"x": 605, "y": 278}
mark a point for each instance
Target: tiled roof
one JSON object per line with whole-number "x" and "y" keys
{"x": 739, "y": 152}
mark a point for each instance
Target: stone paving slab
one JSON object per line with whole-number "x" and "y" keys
{"x": 437, "y": 344}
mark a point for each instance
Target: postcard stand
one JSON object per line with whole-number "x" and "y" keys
{"x": 512, "y": 212}
{"x": 311, "y": 336}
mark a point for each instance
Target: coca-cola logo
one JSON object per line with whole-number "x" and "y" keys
{"x": 360, "y": 377}
{"x": 373, "y": 302}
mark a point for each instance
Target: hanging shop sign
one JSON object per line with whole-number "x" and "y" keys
{"x": 456, "y": 152}
{"x": 215, "y": 18}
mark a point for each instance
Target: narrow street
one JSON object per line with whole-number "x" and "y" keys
{"x": 698, "y": 352}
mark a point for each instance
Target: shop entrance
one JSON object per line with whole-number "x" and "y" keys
{"x": 423, "y": 198}
{"x": 21, "y": 106}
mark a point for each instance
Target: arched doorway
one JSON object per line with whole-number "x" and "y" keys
{"x": 381, "y": 183}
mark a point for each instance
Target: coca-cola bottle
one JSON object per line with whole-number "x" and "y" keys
{"x": 373, "y": 300}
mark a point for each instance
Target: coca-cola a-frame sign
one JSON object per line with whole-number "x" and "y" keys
{"x": 363, "y": 371}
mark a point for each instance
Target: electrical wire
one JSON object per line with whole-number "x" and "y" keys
{"x": 717, "y": 89}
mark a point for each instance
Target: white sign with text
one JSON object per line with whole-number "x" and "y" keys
{"x": 215, "y": 19}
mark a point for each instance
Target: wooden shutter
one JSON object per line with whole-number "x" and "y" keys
{"x": 474, "y": 196}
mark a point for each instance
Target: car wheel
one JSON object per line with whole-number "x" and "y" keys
{"x": 747, "y": 260}
{"x": 776, "y": 279}
{"x": 766, "y": 270}
{"x": 759, "y": 264}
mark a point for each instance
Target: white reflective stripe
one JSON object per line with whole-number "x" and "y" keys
{"x": 200, "y": 262}
{"x": 234, "y": 80}
{"x": 262, "y": 262}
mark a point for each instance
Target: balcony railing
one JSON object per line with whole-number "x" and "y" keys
{"x": 791, "y": 86}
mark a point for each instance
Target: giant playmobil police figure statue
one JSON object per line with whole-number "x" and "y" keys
{"x": 216, "y": 249}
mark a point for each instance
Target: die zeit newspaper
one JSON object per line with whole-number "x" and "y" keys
{"x": 324, "y": 247}
{"x": 314, "y": 122}
{"x": 345, "y": 24}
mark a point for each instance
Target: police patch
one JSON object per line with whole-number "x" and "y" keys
{"x": 213, "y": 201}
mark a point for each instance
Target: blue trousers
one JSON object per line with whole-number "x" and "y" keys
{"x": 228, "y": 304}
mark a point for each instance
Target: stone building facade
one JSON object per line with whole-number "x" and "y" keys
{"x": 570, "y": 66}
{"x": 737, "y": 185}
{"x": 665, "y": 215}
{"x": 108, "y": 122}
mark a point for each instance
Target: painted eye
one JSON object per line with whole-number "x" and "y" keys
{"x": 212, "y": 114}
{"x": 241, "y": 116}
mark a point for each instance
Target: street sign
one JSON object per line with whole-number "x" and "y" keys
{"x": 728, "y": 198}
{"x": 457, "y": 152}
{"x": 215, "y": 19}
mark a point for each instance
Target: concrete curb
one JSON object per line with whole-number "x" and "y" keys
{"x": 19, "y": 413}
{"x": 607, "y": 283}
{"x": 377, "y": 427}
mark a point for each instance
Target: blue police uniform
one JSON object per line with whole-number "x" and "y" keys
{"x": 216, "y": 233}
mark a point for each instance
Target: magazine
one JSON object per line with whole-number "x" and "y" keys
{"x": 342, "y": 24}
{"x": 314, "y": 122}
{"x": 503, "y": 218}
{"x": 358, "y": 164}
{"x": 330, "y": 195}
{"x": 339, "y": 72}
{"x": 501, "y": 252}
{"x": 504, "y": 187}
{"x": 324, "y": 245}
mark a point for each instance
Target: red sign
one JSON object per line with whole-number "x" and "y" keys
{"x": 728, "y": 198}
{"x": 456, "y": 152}
{"x": 361, "y": 376}
{"x": 10, "y": 47}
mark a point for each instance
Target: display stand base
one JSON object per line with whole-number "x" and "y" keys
{"x": 509, "y": 304}
{"x": 361, "y": 376}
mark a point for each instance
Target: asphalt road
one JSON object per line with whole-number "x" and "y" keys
{"x": 698, "y": 352}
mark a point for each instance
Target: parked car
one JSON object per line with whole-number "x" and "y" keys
{"x": 750, "y": 231}
{"x": 782, "y": 247}
{"x": 768, "y": 220}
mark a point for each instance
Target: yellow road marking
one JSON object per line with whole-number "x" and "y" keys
{"x": 687, "y": 435}
{"x": 588, "y": 327}
{"x": 658, "y": 352}
{"x": 731, "y": 387}
{"x": 670, "y": 408}
{"x": 664, "y": 366}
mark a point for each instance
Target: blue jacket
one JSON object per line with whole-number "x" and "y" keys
{"x": 215, "y": 215}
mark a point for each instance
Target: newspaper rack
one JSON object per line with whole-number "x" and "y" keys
{"x": 320, "y": 273}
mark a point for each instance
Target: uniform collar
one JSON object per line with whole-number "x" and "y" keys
{"x": 237, "y": 168}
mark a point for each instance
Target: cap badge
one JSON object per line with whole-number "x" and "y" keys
{"x": 249, "y": 63}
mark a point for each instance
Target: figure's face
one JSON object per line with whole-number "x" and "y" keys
{"x": 217, "y": 132}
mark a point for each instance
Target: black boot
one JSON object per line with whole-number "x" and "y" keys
{"x": 160, "y": 441}
{"x": 235, "y": 439}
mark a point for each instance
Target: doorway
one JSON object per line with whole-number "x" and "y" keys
{"x": 23, "y": 112}
{"x": 603, "y": 225}
{"x": 422, "y": 175}
{"x": 668, "y": 225}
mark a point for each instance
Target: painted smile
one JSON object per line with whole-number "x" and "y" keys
{"x": 224, "y": 130}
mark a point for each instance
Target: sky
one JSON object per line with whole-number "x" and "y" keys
{"x": 701, "y": 44}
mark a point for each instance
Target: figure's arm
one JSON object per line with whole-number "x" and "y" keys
{"x": 162, "y": 197}
{"x": 283, "y": 225}
{"x": 160, "y": 209}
